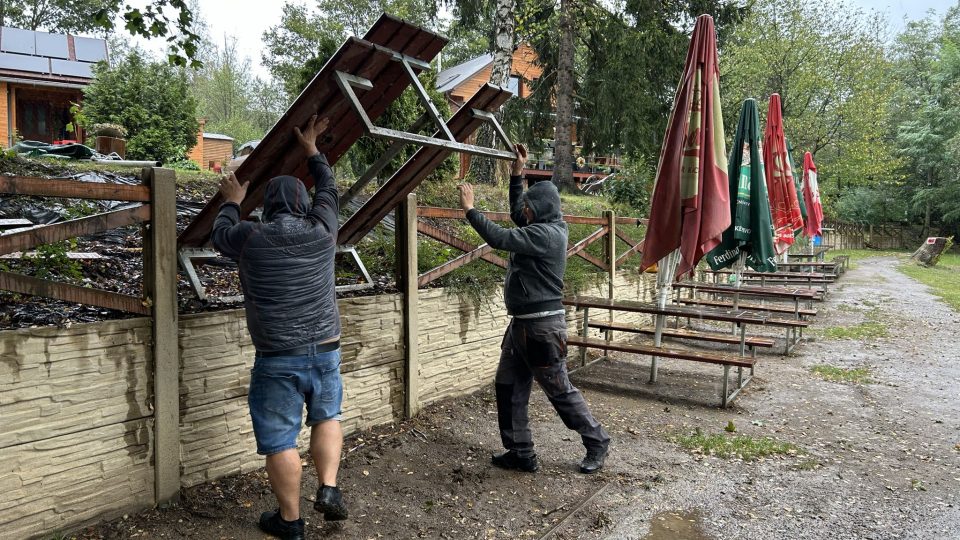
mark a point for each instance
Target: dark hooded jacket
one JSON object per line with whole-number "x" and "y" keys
{"x": 538, "y": 250}
{"x": 286, "y": 262}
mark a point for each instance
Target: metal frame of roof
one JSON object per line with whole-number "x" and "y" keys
{"x": 381, "y": 65}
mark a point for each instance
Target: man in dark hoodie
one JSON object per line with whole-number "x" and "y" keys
{"x": 287, "y": 273}
{"x": 535, "y": 344}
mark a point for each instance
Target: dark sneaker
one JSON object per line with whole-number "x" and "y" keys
{"x": 272, "y": 523}
{"x": 593, "y": 461}
{"x": 512, "y": 461}
{"x": 330, "y": 503}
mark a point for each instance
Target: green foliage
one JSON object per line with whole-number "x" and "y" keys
{"x": 151, "y": 99}
{"x": 233, "y": 101}
{"x": 632, "y": 186}
{"x": 742, "y": 447}
{"x": 51, "y": 260}
{"x": 881, "y": 203}
{"x": 827, "y": 61}
{"x": 926, "y": 114}
{"x": 837, "y": 374}
{"x": 183, "y": 165}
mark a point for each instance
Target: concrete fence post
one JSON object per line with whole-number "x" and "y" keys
{"x": 160, "y": 274}
{"x": 406, "y": 231}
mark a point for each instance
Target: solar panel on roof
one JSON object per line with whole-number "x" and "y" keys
{"x": 90, "y": 49}
{"x": 70, "y": 68}
{"x": 19, "y": 62}
{"x": 52, "y": 45}
{"x": 15, "y": 40}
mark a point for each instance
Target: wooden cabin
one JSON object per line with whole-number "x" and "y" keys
{"x": 41, "y": 74}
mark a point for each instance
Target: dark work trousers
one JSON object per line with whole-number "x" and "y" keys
{"x": 536, "y": 349}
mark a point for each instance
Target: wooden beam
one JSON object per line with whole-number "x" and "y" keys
{"x": 634, "y": 246}
{"x": 453, "y": 264}
{"x": 578, "y": 249}
{"x": 19, "y": 283}
{"x": 447, "y": 238}
{"x": 73, "y": 189}
{"x": 456, "y": 213}
{"x": 48, "y": 234}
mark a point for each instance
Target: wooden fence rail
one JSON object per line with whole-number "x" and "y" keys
{"x": 485, "y": 252}
{"x": 158, "y": 216}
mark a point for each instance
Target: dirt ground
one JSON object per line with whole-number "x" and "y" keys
{"x": 876, "y": 461}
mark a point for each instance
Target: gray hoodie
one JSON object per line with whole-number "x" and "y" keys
{"x": 538, "y": 250}
{"x": 287, "y": 262}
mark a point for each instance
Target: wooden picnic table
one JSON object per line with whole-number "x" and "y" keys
{"x": 742, "y": 317}
{"x": 817, "y": 254}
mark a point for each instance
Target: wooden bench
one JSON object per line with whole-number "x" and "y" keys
{"x": 844, "y": 261}
{"x": 796, "y": 311}
{"x": 727, "y": 361}
{"x": 741, "y": 317}
{"x": 817, "y": 254}
{"x": 793, "y": 294}
{"x": 831, "y": 268}
{"x": 752, "y": 342}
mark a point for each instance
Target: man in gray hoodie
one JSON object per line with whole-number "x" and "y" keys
{"x": 287, "y": 274}
{"x": 534, "y": 346}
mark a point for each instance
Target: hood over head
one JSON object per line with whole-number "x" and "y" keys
{"x": 285, "y": 195}
{"x": 544, "y": 199}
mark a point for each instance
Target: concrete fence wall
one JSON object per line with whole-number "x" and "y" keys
{"x": 76, "y": 410}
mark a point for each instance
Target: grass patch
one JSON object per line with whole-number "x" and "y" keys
{"x": 944, "y": 278}
{"x": 743, "y": 447}
{"x": 827, "y": 372}
{"x": 858, "y": 255}
{"x": 869, "y": 329}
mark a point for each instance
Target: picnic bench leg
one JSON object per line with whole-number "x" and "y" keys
{"x": 723, "y": 396}
{"x": 586, "y": 328}
{"x": 743, "y": 340}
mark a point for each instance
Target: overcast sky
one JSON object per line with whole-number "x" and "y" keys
{"x": 247, "y": 19}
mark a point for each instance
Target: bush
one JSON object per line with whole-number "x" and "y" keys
{"x": 633, "y": 185}
{"x": 183, "y": 165}
{"x": 151, "y": 99}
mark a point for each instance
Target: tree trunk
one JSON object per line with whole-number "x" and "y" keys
{"x": 926, "y": 209}
{"x": 483, "y": 169}
{"x": 929, "y": 253}
{"x": 563, "y": 146}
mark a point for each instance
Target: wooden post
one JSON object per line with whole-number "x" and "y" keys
{"x": 160, "y": 272}
{"x": 406, "y": 235}
{"x": 612, "y": 261}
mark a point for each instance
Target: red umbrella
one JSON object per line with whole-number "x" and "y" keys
{"x": 811, "y": 196}
{"x": 690, "y": 207}
{"x": 784, "y": 205}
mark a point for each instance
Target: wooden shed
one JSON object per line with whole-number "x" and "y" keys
{"x": 213, "y": 150}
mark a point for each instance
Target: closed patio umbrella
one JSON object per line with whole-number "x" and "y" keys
{"x": 811, "y": 195}
{"x": 749, "y": 239}
{"x": 690, "y": 206}
{"x": 784, "y": 204}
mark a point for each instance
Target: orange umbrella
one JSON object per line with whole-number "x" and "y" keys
{"x": 784, "y": 205}
{"x": 690, "y": 207}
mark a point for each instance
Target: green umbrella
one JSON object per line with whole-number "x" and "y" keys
{"x": 750, "y": 235}
{"x": 797, "y": 181}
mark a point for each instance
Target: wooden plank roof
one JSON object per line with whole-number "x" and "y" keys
{"x": 373, "y": 58}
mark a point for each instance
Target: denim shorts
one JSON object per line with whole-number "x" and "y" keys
{"x": 279, "y": 388}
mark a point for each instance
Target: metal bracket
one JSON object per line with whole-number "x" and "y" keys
{"x": 186, "y": 255}
{"x": 363, "y": 270}
{"x": 348, "y": 82}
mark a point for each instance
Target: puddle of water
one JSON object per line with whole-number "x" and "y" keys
{"x": 676, "y": 526}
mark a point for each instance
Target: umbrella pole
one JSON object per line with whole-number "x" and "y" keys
{"x": 667, "y": 270}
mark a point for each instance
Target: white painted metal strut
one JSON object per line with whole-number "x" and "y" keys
{"x": 348, "y": 82}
